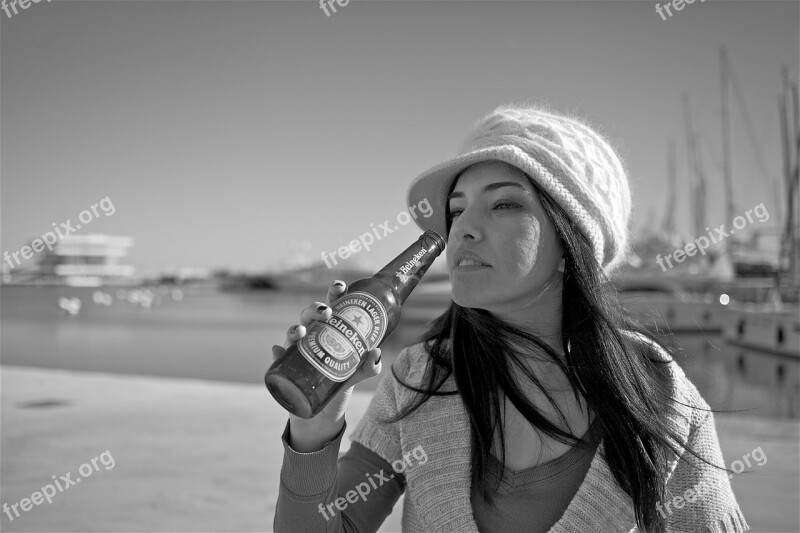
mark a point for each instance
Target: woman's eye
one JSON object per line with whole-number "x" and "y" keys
{"x": 511, "y": 205}
{"x": 499, "y": 205}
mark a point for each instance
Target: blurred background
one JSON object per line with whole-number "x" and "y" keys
{"x": 175, "y": 174}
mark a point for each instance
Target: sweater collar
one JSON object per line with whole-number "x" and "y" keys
{"x": 599, "y": 504}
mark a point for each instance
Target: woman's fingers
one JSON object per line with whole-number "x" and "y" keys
{"x": 372, "y": 367}
{"x": 315, "y": 311}
{"x": 277, "y": 352}
{"x": 294, "y": 334}
{"x": 335, "y": 291}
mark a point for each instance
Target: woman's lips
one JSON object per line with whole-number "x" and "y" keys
{"x": 470, "y": 268}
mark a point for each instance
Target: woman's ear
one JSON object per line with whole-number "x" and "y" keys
{"x": 561, "y": 264}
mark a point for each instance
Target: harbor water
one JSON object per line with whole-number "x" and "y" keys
{"x": 202, "y": 333}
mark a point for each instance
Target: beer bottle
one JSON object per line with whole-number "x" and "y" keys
{"x": 314, "y": 369}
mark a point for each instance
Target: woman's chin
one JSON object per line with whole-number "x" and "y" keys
{"x": 470, "y": 297}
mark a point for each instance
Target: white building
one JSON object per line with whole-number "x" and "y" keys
{"x": 86, "y": 260}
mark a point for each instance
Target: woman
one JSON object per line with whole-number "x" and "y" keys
{"x": 538, "y": 406}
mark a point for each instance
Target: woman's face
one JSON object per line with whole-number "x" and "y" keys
{"x": 498, "y": 221}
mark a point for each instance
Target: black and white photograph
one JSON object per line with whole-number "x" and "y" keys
{"x": 467, "y": 266}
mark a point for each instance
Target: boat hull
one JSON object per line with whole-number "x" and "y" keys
{"x": 672, "y": 313}
{"x": 766, "y": 330}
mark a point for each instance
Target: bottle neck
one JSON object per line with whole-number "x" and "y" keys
{"x": 405, "y": 271}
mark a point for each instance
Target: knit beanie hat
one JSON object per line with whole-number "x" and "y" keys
{"x": 566, "y": 159}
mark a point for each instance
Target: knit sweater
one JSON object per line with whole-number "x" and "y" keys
{"x": 438, "y": 491}
{"x": 313, "y": 482}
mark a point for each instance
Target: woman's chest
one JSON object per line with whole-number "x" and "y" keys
{"x": 526, "y": 446}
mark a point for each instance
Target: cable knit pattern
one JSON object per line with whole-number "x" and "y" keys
{"x": 566, "y": 158}
{"x": 438, "y": 492}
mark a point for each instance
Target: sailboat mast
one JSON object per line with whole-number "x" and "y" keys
{"x": 794, "y": 192}
{"x": 699, "y": 184}
{"x": 788, "y": 105}
{"x": 669, "y": 216}
{"x": 789, "y": 238}
{"x": 726, "y": 136}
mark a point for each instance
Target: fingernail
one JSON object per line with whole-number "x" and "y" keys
{"x": 338, "y": 283}
{"x": 378, "y": 360}
{"x": 292, "y": 330}
{"x": 321, "y": 308}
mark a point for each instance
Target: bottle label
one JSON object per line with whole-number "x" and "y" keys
{"x": 413, "y": 262}
{"x": 335, "y": 347}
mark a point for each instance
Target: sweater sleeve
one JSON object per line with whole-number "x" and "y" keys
{"x": 318, "y": 494}
{"x": 699, "y": 496}
{"x": 372, "y": 431}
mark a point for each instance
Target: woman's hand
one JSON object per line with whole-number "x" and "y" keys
{"x": 331, "y": 418}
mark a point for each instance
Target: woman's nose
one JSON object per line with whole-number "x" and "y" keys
{"x": 467, "y": 225}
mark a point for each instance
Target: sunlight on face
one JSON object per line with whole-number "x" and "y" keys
{"x": 498, "y": 224}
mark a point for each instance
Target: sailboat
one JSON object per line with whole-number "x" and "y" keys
{"x": 674, "y": 299}
{"x": 771, "y": 324}
{"x": 683, "y": 297}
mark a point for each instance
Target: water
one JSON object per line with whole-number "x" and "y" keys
{"x": 206, "y": 335}
{"x": 228, "y": 336}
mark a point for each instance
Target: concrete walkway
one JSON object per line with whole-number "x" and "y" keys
{"x": 206, "y": 456}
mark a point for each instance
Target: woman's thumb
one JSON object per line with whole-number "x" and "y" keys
{"x": 371, "y": 367}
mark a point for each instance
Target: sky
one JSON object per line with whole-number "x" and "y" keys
{"x": 239, "y": 134}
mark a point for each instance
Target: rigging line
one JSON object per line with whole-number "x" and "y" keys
{"x": 748, "y": 123}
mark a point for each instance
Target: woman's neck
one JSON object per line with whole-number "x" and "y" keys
{"x": 538, "y": 313}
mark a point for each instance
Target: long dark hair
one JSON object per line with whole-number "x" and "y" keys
{"x": 616, "y": 375}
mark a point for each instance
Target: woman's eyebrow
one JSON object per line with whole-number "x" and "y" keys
{"x": 491, "y": 187}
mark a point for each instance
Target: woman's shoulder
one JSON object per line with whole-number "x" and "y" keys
{"x": 658, "y": 352}
{"x": 412, "y": 369}
{"x": 411, "y": 358}
{"x": 667, "y": 372}
{"x": 414, "y": 353}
